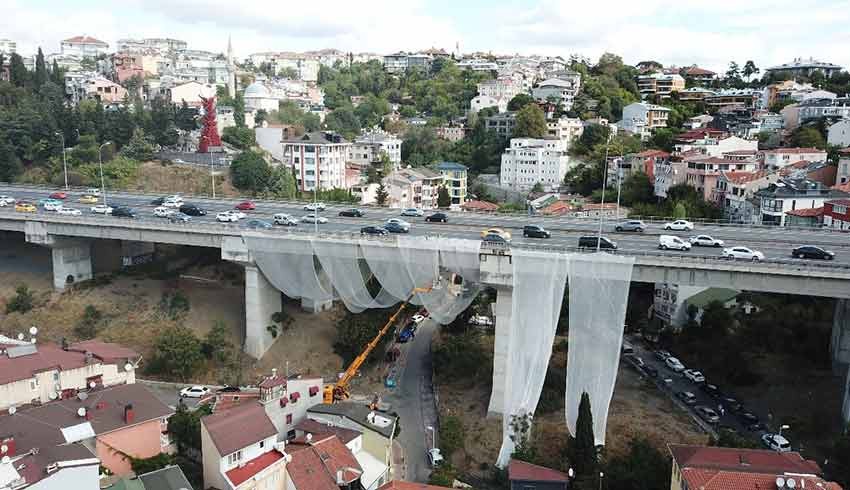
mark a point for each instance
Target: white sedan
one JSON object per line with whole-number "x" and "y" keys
{"x": 679, "y": 225}
{"x": 319, "y": 206}
{"x": 312, "y": 218}
{"x": 52, "y": 206}
{"x": 237, "y": 213}
{"x": 6, "y": 201}
{"x": 743, "y": 253}
{"x": 694, "y": 375}
{"x": 162, "y": 212}
{"x": 705, "y": 241}
{"x": 194, "y": 391}
{"x": 68, "y": 211}
{"x": 101, "y": 209}
{"x": 92, "y": 191}
{"x": 172, "y": 203}
{"x": 400, "y": 222}
{"x": 227, "y": 217}
{"x": 414, "y": 212}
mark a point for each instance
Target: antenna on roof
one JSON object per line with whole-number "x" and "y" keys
{"x": 6, "y": 460}
{"x": 12, "y": 410}
{"x": 81, "y": 411}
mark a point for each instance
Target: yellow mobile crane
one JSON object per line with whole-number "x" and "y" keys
{"x": 339, "y": 392}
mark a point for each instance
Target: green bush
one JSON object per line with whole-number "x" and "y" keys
{"x": 174, "y": 304}
{"x": 88, "y": 326}
{"x": 177, "y": 353}
{"x": 22, "y": 302}
{"x": 451, "y": 435}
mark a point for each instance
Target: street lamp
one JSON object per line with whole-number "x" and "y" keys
{"x": 433, "y": 436}
{"x": 571, "y": 473}
{"x": 604, "y": 184}
{"x": 100, "y": 163}
{"x": 783, "y": 427}
{"x": 64, "y": 160}
{"x": 601, "y": 476}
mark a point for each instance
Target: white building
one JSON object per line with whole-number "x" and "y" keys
{"x": 782, "y": 157}
{"x": 484, "y": 101}
{"x": 401, "y": 62}
{"x": 805, "y": 68}
{"x": 159, "y": 45}
{"x": 559, "y": 89}
{"x": 670, "y": 306}
{"x": 191, "y": 93}
{"x": 257, "y": 97}
{"x": 83, "y": 46}
{"x": 819, "y": 108}
{"x": 839, "y": 134}
{"x": 500, "y": 88}
{"x": 566, "y": 129}
{"x": 786, "y": 195}
{"x": 715, "y": 145}
{"x": 7, "y": 46}
{"x": 322, "y": 152}
{"x": 842, "y": 176}
{"x": 306, "y": 68}
{"x": 477, "y": 64}
{"x": 642, "y": 119}
{"x": 528, "y": 161}
{"x": 413, "y": 188}
{"x": 368, "y": 148}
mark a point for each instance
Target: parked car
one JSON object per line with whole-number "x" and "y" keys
{"x": 194, "y": 391}
{"x": 413, "y": 212}
{"x": 123, "y": 212}
{"x": 694, "y": 375}
{"x": 405, "y": 335}
{"x": 101, "y": 209}
{"x": 705, "y": 241}
{"x": 708, "y": 414}
{"x": 631, "y": 225}
{"x": 651, "y": 371}
{"x": 747, "y": 418}
{"x": 481, "y": 320}
{"x": 59, "y": 195}
{"x": 496, "y": 231}
{"x": 191, "y": 210}
{"x": 226, "y": 217}
{"x": 711, "y": 390}
{"x": 319, "y": 206}
{"x": 284, "y": 220}
{"x": 730, "y": 404}
{"x": 89, "y": 199}
{"x": 395, "y": 227}
{"x": 25, "y": 207}
{"x": 179, "y": 218}
{"x": 670, "y": 242}
{"x": 163, "y": 212}
{"x": 68, "y": 211}
{"x": 438, "y": 217}
{"x": 662, "y": 355}
{"x": 6, "y": 201}
{"x": 535, "y": 231}
{"x": 417, "y": 318}
{"x": 674, "y": 364}
{"x": 373, "y": 230}
{"x": 314, "y": 219}
{"x": 757, "y": 427}
{"x": 776, "y": 443}
{"x": 352, "y": 213}
{"x": 591, "y": 242}
{"x": 687, "y": 397}
{"x": 245, "y": 206}
{"x": 434, "y": 457}
{"x": 743, "y": 253}
{"x": 679, "y": 225}
{"x": 626, "y": 348}
{"x": 812, "y": 252}
{"x": 258, "y": 224}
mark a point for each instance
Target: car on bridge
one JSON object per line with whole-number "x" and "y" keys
{"x": 258, "y": 224}
{"x": 89, "y": 199}
{"x": 318, "y": 206}
{"x": 191, "y": 210}
{"x": 394, "y": 227}
{"x": 25, "y": 207}
{"x": 352, "y": 213}
{"x": 179, "y": 218}
{"x": 707, "y": 414}
{"x": 101, "y": 209}
{"x": 245, "y": 206}
{"x": 173, "y": 202}
{"x": 687, "y": 397}
{"x": 93, "y": 191}
{"x": 496, "y": 238}
{"x": 670, "y": 242}
{"x": 694, "y": 375}
{"x": 227, "y": 217}
{"x": 48, "y": 201}
{"x": 123, "y": 212}
{"x": 6, "y": 201}
{"x": 631, "y": 225}
{"x": 157, "y": 201}
{"x": 59, "y": 195}
{"x": 52, "y": 205}
{"x": 399, "y": 223}
{"x": 496, "y": 231}
{"x": 438, "y": 217}
{"x": 679, "y": 225}
{"x": 314, "y": 219}
{"x": 812, "y": 252}
{"x": 590, "y": 241}
{"x": 413, "y": 212}
{"x": 743, "y": 253}
{"x": 535, "y": 231}
{"x": 705, "y": 241}
{"x": 284, "y": 219}
{"x": 674, "y": 364}
{"x": 163, "y": 212}
{"x": 373, "y": 230}
{"x": 776, "y": 442}
{"x": 65, "y": 211}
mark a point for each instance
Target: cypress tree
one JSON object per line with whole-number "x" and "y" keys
{"x": 40, "y": 69}
{"x": 57, "y": 75}
{"x": 583, "y": 445}
{"x": 18, "y": 73}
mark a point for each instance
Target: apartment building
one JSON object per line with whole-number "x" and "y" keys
{"x": 318, "y": 158}
{"x": 745, "y": 98}
{"x": 734, "y": 192}
{"x": 7, "y": 46}
{"x": 413, "y": 188}
{"x": 562, "y": 90}
{"x": 838, "y": 133}
{"x": 645, "y": 161}
{"x": 786, "y": 195}
{"x": 500, "y": 88}
{"x": 813, "y": 109}
{"x": 642, "y": 119}
{"x": 502, "y": 124}
{"x": 782, "y": 157}
{"x": 702, "y": 172}
{"x": 83, "y": 46}
{"x": 368, "y": 148}
{"x": 836, "y": 214}
{"x": 529, "y": 161}
{"x": 842, "y": 175}
{"x": 800, "y": 67}
{"x": 159, "y": 45}
{"x": 566, "y": 129}
{"x": 454, "y": 178}
{"x": 699, "y": 75}
{"x": 711, "y": 142}
{"x": 667, "y": 173}
{"x": 401, "y": 62}
{"x": 660, "y": 84}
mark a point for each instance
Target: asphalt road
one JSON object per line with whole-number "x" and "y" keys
{"x": 775, "y": 243}
{"x": 169, "y": 393}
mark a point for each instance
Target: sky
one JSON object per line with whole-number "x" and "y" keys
{"x": 681, "y": 33}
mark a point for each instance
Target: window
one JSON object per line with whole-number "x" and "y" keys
{"x": 289, "y": 418}
{"x": 32, "y": 385}
{"x": 234, "y": 458}
{"x": 262, "y": 444}
{"x": 56, "y": 376}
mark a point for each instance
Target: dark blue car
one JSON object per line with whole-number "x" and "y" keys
{"x": 406, "y": 334}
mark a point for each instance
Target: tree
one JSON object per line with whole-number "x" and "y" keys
{"x": 185, "y": 118}
{"x": 22, "y": 302}
{"x": 381, "y": 195}
{"x": 530, "y": 122}
{"x": 344, "y": 121}
{"x": 239, "y": 110}
{"x": 537, "y": 188}
{"x": 637, "y": 188}
{"x": 451, "y": 435}
{"x": 282, "y": 183}
{"x": 250, "y": 171}
{"x": 808, "y": 137}
{"x": 643, "y": 468}
{"x": 217, "y": 344}
{"x": 519, "y": 101}
{"x": 662, "y": 139}
{"x": 57, "y": 75}
{"x": 40, "y": 70}
{"x": 18, "y": 74}
{"x": 444, "y": 200}
{"x": 185, "y": 426}
{"x": 288, "y": 72}
{"x": 679, "y": 211}
{"x": 87, "y": 327}
{"x": 10, "y": 164}
{"x": 733, "y": 74}
{"x": 583, "y": 445}
{"x": 177, "y": 353}
{"x": 749, "y": 70}
{"x": 240, "y": 137}
{"x": 139, "y": 147}
{"x": 524, "y": 450}
{"x": 354, "y": 332}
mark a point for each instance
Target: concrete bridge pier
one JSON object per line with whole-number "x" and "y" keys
{"x": 262, "y": 300}
{"x": 502, "y": 312}
{"x": 71, "y": 257}
{"x": 840, "y": 350}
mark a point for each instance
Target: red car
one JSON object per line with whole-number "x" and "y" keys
{"x": 246, "y": 206}
{"x": 59, "y": 195}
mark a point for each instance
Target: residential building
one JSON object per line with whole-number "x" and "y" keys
{"x": 39, "y": 373}
{"x": 659, "y": 84}
{"x": 804, "y": 68}
{"x": 454, "y": 178}
{"x": 106, "y": 91}
{"x": 270, "y": 138}
{"x": 368, "y": 148}
{"x": 529, "y": 161}
{"x": 500, "y": 88}
{"x": 83, "y": 46}
{"x": 642, "y": 119}
{"x": 105, "y": 427}
{"x": 695, "y": 94}
{"x": 501, "y": 124}
{"x": 413, "y": 188}
{"x": 476, "y": 64}
{"x": 842, "y": 175}
{"x": 401, "y": 62}
{"x": 484, "y": 101}
{"x": 791, "y": 116}
{"x": 191, "y": 93}
{"x": 808, "y": 217}
{"x": 668, "y": 173}
{"x": 324, "y": 153}
{"x": 720, "y": 468}
{"x": 698, "y": 75}
{"x": 160, "y": 45}
{"x": 698, "y": 302}
{"x": 560, "y": 90}
{"x": 241, "y": 450}
{"x": 836, "y": 214}
{"x": 710, "y": 142}
{"x": 734, "y": 192}
{"x": 7, "y": 46}
{"x": 838, "y": 133}
{"x": 378, "y": 428}
{"x": 526, "y": 476}
{"x": 746, "y": 98}
{"x": 480, "y": 206}
{"x": 167, "y": 478}
{"x": 451, "y": 133}
{"x": 669, "y": 303}
{"x": 822, "y": 172}
{"x": 813, "y": 109}
{"x": 287, "y": 400}
{"x": 566, "y": 129}
{"x": 782, "y": 157}
{"x": 257, "y": 97}
{"x": 645, "y": 161}
{"x": 702, "y": 173}
{"x": 789, "y": 195}
{"x": 698, "y": 122}
{"x": 305, "y": 68}
{"x": 322, "y": 461}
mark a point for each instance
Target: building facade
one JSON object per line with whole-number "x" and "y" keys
{"x": 805, "y": 68}
{"x": 413, "y": 188}
{"x": 660, "y": 84}
{"x": 529, "y": 161}
{"x": 368, "y": 148}
{"x": 786, "y": 195}
{"x": 501, "y": 124}
{"x": 642, "y": 119}
{"x": 566, "y": 129}
{"x": 318, "y": 158}
{"x": 836, "y": 214}
{"x": 560, "y": 90}
{"x": 83, "y": 46}
{"x": 782, "y": 157}
{"x": 702, "y": 173}
{"x": 454, "y": 178}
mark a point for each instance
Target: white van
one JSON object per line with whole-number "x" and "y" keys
{"x": 670, "y": 242}
{"x": 285, "y": 220}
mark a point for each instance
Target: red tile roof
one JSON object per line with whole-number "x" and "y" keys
{"x": 107, "y": 351}
{"x": 842, "y": 187}
{"x": 741, "y": 152}
{"x": 520, "y": 470}
{"x": 807, "y": 212}
{"x": 739, "y": 177}
{"x": 83, "y": 40}
{"x": 314, "y": 465}
{"x": 311, "y": 426}
{"x": 839, "y": 202}
{"x": 47, "y": 357}
{"x": 727, "y": 480}
{"x": 653, "y": 154}
{"x": 272, "y": 381}
{"x": 407, "y": 485}
{"x": 479, "y": 206}
{"x": 794, "y": 151}
{"x": 238, "y": 427}
{"x": 557, "y": 207}
{"x": 597, "y": 206}
{"x": 697, "y": 71}
{"x": 698, "y": 134}
{"x": 241, "y": 474}
{"x": 747, "y": 460}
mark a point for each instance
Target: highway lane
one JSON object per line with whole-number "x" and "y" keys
{"x": 775, "y": 243}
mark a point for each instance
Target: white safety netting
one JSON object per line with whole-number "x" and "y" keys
{"x": 599, "y": 293}
{"x": 538, "y": 290}
{"x": 289, "y": 266}
{"x": 345, "y": 266}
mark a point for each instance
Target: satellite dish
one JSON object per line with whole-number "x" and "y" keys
{"x": 81, "y": 411}
{"x": 92, "y": 384}
{"x": 4, "y": 448}
{"x": 780, "y": 482}
{"x": 6, "y": 460}
{"x": 33, "y": 330}
{"x": 128, "y": 367}
{"x": 32, "y": 340}
{"x": 12, "y": 410}
{"x": 790, "y": 483}
{"x": 21, "y": 336}
{"x": 53, "y": 395}
{"x": 82, "y": 395}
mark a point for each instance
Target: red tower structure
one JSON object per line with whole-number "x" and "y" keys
{"x": 209, "y": 133}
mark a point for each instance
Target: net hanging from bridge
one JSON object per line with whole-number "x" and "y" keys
{"x": 345, "y": 266}
{"x": 289, "y": 266}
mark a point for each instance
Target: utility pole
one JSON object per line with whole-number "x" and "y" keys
{"x": 100, "y": 162}
{"x": 604, "y": 184}
{"x": 64, "y": 160}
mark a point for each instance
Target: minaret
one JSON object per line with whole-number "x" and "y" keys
{"x": 231, "y": 70}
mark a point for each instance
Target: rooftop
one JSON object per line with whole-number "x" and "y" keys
{"x": 520, "y": 470}
{"x": 739, "y": 178}
{"x": 357, "y": 413}
{"x": 168, "y": 478}
{"x": 451, "y": 166}
{"x": 243, "y": 473}
{"x": 84, "y": 40}
{"x": 406, "y": 485}
{"x": 23, "y": 362}
{"x": 705, "y": 479}
{"x": 801, "y": 187}
{"x": 315, "y": 464}
{"x": 314, "y": 427}
{"x": 839, "y": 202}
{"x": 479, "y": 206}
{"x": 806, "y": 212}
{"x": 803, "y": 63}
{"x": 317, "y": 138}
{"x": 710, "y": 295}
{"x": 238, "y": 427}
{"x": 745, "y": 460}
{"x": 793, "y": 151}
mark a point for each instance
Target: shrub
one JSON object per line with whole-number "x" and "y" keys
{"x": 22, "y": 302}
{"x": 451, "y": 435}
{"x": 88, "y": 325}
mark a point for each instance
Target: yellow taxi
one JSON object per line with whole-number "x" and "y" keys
{"x": 89, "y": 199}
{"x": 496, "y": 231}
{"x": 25, "y": 207}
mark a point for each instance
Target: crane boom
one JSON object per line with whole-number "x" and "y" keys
{"x": 339, "y": 391}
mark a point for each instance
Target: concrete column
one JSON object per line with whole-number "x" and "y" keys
{"x": 71, "y": 261}
{"x": 504, "y": 297}
{"x": 840, "y": 349}
{"x": 261, "y": 301}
